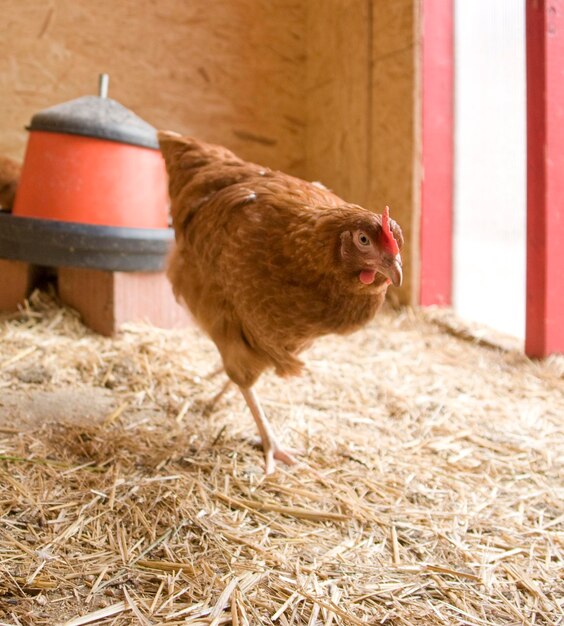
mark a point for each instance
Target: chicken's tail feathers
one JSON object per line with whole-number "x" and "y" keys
{"x": 192, "y": 152}
{"x": 173, "y": 145}
{"x": 195, "y": 171}
{"x": 164, "y": 135}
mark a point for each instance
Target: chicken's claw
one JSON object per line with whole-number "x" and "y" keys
{"x": 276, "y": 453}
{"x": 273, "y": 451}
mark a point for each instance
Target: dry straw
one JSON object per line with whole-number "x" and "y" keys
{"x": 433, "y": 495}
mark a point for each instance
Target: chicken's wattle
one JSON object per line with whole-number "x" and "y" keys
{"x": 367, "y": 276}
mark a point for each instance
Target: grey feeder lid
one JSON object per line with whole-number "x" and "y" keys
{"x": 97, "y": 116}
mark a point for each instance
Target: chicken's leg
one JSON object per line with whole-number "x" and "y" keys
{"x": 270, "y": 445}
{"x": 215, "y": 372}
{"x": 210, "y": 406}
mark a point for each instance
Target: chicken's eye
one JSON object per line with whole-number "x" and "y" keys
{"x": 363, "y": 240}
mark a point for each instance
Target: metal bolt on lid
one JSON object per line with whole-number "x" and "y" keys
{"x": 96, "y": 116}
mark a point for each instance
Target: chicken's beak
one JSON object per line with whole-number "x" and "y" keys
{"x": 393, "y": 270}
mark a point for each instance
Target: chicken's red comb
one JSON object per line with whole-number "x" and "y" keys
{"x": 392, "y": 244}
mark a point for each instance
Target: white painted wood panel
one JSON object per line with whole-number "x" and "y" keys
{"x": 490, "y": 163}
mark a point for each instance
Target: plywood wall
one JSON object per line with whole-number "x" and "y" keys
{"x": 229, "y": 71}
{"x": 361, "y": 129}
{"x": 323, "y": 89}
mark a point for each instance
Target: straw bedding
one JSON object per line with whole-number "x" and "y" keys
{"x": 433, "y": 491}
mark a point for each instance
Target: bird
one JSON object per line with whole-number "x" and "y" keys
{"x": 267, "y": 262}
{"x": 10, "y": 171}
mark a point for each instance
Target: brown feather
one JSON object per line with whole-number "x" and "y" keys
{"x": 9, "y": 178}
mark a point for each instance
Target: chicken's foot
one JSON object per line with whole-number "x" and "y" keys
{"x": 271, "y": 448}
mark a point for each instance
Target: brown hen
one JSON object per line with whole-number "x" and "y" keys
{"x": 9, "y": 178}
{"x": 267, "y": 262}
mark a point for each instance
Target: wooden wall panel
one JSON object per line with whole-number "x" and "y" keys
{"x": 395, "y": 143}
{"x": 362, "y": 131}
{"x": 324, "y": 89}
{"x": 338, "y": 120}
{"x": 230, "y": 71}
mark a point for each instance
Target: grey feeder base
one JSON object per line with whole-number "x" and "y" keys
{"x": 54, "y": 243}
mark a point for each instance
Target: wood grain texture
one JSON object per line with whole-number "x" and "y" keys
{"x": 229, "y": 72}
{"x": 393, "y": 163}
{"x": 338, "y": 96}
{"x": 361, "y": 129}
{"x": 14, "y": 284}
{"x": 106, "y": 300}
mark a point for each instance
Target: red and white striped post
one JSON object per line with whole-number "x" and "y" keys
{"x": 545, "y": 177}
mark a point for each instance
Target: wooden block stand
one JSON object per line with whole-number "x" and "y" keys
{"x": 105, "y": 299}
{"x": 15, "y": 280}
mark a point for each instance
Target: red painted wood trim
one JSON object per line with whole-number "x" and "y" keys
{"x": 545, "y": 177}
{"x": 437, "y": 76}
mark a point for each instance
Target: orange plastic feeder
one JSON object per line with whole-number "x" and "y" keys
{"x": 93, "y": 161}
{"x": 91, "y": 208}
